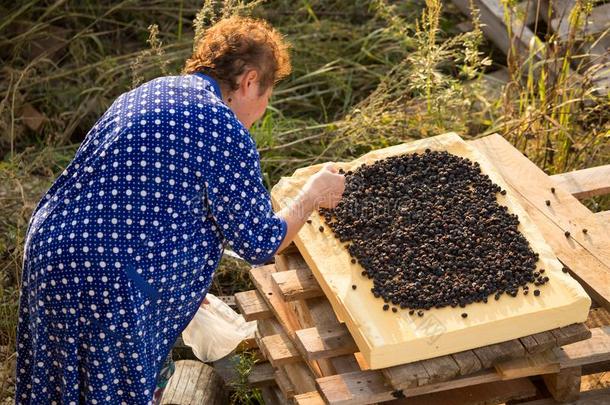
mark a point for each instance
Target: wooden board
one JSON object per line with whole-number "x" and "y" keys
{"x": 541, "y": 363}
{"x": 586, "y": 254}
{"x": 252, "y": 305}
{"x": 347, "y": 386}
{"x": 297, "y": 284}
{"x": 194, "y": 382}
{"x": 585, "y": 183}
{"x": 279, "y": 349}
{"x": 385, "y": 338}
{"x": 367, "y": 387}
{"x": 261, "y": 375}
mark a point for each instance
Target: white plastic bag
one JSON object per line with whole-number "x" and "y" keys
{"x": 216, "y": 330}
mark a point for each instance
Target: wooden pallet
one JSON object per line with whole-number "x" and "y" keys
{"x": 321, "y": 362}
{"x": 529, "y": 17}
{"x": 307, "y": 346}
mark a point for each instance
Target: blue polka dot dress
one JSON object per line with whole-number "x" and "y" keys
{"x": 121, "y": 250}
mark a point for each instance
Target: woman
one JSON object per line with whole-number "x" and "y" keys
{"x": 121, "y": 250}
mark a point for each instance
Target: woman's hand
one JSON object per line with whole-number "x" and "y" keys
{"x": 325, "y": 188}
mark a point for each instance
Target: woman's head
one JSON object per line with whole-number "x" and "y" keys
{"x": 247, "y": 57}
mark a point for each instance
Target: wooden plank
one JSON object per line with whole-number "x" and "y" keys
{"x": 530, "y": 344}
{"x": 298, "y": 373}
{"x": 467, "y": 361}
{"x": 279, "y": 349}
{"x": 592, "y": 397}
{"x": 489, "y": 355}
{"x": 194, "y": 382}
{"x": 597, "y": 22}
{"x": 290, "y": 259}
{"x": 297, "y": 284}
{"x": 321, "y": 314}
{"x": 261, "y": 277}
{"x": 406, "y": 376}
{"x": 262, "y": 374}
{"x": 272, "y": 395}
{"x": 322, "y": 343}
{"x": 494, "y": 27}
{"x": 440, "y": 368}
{"x": 284, "y": 383}
{"x": 539, "y": 363}
{"x": 585, "y": 183}
{"x": 252, "y": 305}
{"x": 546, "y": 340}
{"x": 571, "y": 334}
{"x": 598, "y": 317}
{"x": 367, "y": 387}
{"x": 565, "y": 385}
{"x": 309, "y": 398}
{"x": 593, "y": 350}
{"x": 587, "y": 255}
{"x": 603, "y": 217}
{"x": 489, "y": 393}
{"x": 358, "y": 387}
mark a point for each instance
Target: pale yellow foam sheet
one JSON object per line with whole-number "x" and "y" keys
{"x": 386, "y": 338}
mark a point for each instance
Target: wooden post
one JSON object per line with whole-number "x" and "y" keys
{"x": 565, "y": 385}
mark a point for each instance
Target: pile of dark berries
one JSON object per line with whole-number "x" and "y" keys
{"x": 429, "y": 232}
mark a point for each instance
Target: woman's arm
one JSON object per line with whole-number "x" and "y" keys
{"x": 324, "y": 189}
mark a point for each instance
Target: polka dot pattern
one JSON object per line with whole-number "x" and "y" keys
{"x": 122, "y": 248}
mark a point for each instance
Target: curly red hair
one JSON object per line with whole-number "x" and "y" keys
{"x": 235, "y": 44}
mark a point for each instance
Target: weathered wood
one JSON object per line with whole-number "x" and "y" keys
{"x": 494, "y": 27}
{"x": 571, "y": 334}
{"x": 565, "y": 385}
{"x": 587, "y": 255}
{"x": 359, "y": 387}
{"x": 597, "y": 22}
{"x": 290, "y": 259}
{"x": 530, "y": 344}
{"x": 320, "y": 313}
{"x": 262, "y": 374}
{"x": 284, "y": 383}
{"x": 297, "y": 284}
{"x": 309, "y": 398}
{"x": 322, "y": 343}
{"x": 261, "y": 277}
{"x": 467, "y": 361}
{"x": 366, "y": 387}
{"x": 441, "y": 368}
{"x": 279, "y": 349}
{"x": 482, "y": 394}
{"x": 489, "y": 355}
{"x": 272, "y": 395}
{"x": 539, "y": 363}
{"x": 592, "y": 397}
{"x": 598, "y": 317}
{"x": 298, "y": 373}
{"x": 546, "y": 340}
{"x": 593, "y": 350}
{"x": 194, "y": 382}
{"x": 252, "y": 305}
{"x": 585, "y": 183}
{"x": 406, "y": 376}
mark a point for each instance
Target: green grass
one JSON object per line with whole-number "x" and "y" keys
{"x": 366, "y": 75}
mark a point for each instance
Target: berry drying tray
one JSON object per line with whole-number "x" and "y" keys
{"x": 387, "y": 338}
